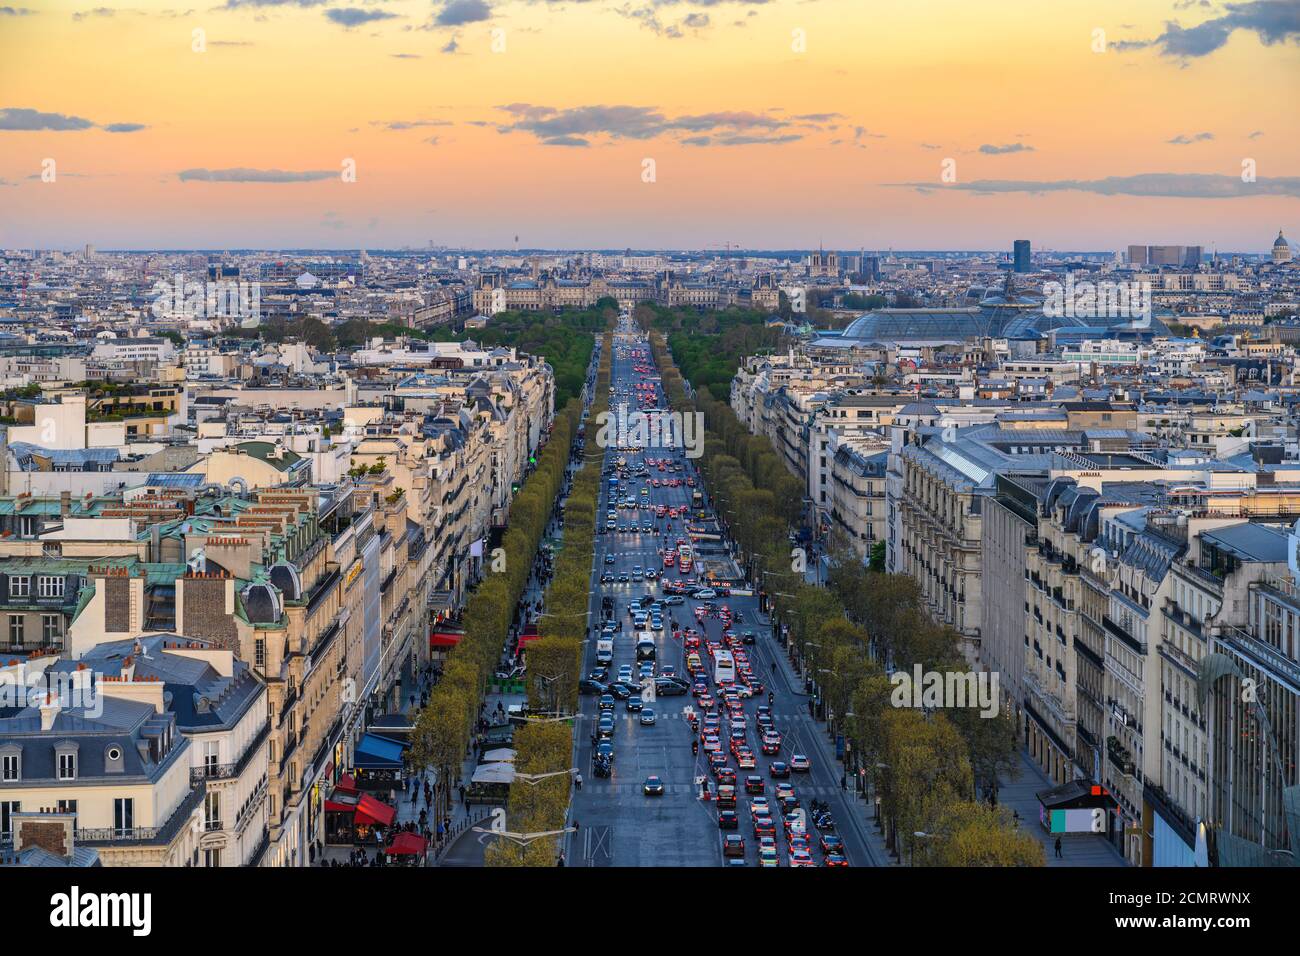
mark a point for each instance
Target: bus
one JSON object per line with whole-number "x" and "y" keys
{"x": 724, "y": 668}
{"x": 684, "y": 558}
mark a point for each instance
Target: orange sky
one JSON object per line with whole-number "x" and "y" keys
{"x": 754, "y": 141}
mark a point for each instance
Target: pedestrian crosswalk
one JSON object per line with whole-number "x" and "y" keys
{"x": 676, "y": 714}
{"x": 615, "y": 786}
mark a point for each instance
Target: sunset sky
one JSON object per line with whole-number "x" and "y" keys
{"x": 776, "y": 124}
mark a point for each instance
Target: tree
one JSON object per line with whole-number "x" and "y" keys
{"x": 877, "y": 559}
{"x": 992, "y": 743}
{"x": 975, "y": 834}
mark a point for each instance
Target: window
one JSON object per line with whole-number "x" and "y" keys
{"x": 67, "y": 766}
{"x": 20, "y": 585}
{"x": 49, "y": 586}
{"x": 10, "y": 767}
{"x": 212, "y": 858}
{"x": 52, "y": 628}
{"x": 123, "y": 815}
{"x": 68, "y": 806}
{"x": 7, "y": 810}
{"x": 16, "y": 626}
{"x": 211, "y": 756}
{"x": 259, "y": 652}
{"x": 212, "y": 809}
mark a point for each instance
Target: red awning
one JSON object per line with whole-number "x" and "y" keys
{"x": 445, "y": 638}
{"x": 408, "y": 844}
{"x": 370, "y": 810}
{"x": 335, "y": 806}
{"x": 346, "y": 784}
{"x": 528, "y": 638}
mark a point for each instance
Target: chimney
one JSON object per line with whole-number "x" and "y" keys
{"x": 49, "y": 710}
{"x": 65, "y": 503}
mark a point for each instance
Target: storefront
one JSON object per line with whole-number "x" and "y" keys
{"x": 378, "y": 763}
{"x": 355, "y": 818}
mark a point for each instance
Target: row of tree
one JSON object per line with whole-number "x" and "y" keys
{"x": 555, "y": 663}
{"x": 445, "y": 727}
{"x": 928, "y": 767}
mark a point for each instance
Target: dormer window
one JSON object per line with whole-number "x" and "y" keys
{"x": 11, "y": 763}
{"x": 65, "y": 756}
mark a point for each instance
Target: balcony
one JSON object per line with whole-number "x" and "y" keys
{"x": 157, "y": 836}
{"x": 228, "y": 771}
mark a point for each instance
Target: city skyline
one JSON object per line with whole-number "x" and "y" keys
{"x": 768, "y": 124}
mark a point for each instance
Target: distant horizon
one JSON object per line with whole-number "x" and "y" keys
{"x": 786, "y": 252}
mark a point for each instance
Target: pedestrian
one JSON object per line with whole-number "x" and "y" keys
{"x": 1058, "y": 848}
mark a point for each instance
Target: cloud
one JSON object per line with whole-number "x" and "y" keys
{"x": 125, "y": 127}
{"x": 15, "y": 119}
{"x": 451, "y": 46}
{"x": 408, "y": 124}
{"x": 989, "y": 149}
{"x": 230, "y": 43}
{"x": 406, "y": 56}
{"x": 931, "y": 146}
{"x": 244, "y": 175}
{"x": 725, "y": 128}
{"x": 96, "y": 12}
{"x": 233, "y": 4}
{"x": 354, "y": 16}
{"x": 15, "y": 12}
{"x": 696, "y": 21}
{"x": 1255, "y": 135}
{"x": 1168, "y": 185}
{"x": 1272, "y": 21}
{"x": 1182, "y": 139}
{"x": 460, "y": 12}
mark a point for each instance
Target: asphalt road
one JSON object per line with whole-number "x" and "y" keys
{"x": 617, "y": 824}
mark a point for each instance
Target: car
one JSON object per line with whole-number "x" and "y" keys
{"x": 717, "y": 759}
{"x": 784, "y": 791}
{"x": 733, "y": 845}
{"x": 749, "y": 637}
{"x": 754, "y": 784}
{"x": 651, "y": 574}
{"x": 609, "y": 559}
{"x": 801, "y": 858}
{"x": 648, "y": 717}
{"x": 727, "y": 820}
{"x": 763, "y": 826}
{"x": 668, "y": 687}
{"x": 599, "y": 674}
{"x": 779, "y": 770}
{"x": 606, "y": 702}
{"x": 634, "y": 704}
{"x": 653, "y": 787}
{"x": 589, "y": 686}
{"x": 623, "y": 690}
{"x": 768, "y": 857}
{"x": 656, "y": 622}
{"x": 625, "y": 672}
{"x": 831, "y": 843}
{"x": 799, "y": 763}
{"x": 726, "y": 776}
{"x": 604, "y": 751}
{"x": 623, "y": 578}
{"x": 835, "y": 859}
{"x": 674, "y": 599}
{"x": 607, "y": 577}
{"x": 704, "y": 594}
{"x": 758, "y": 805}
{"x": 602, "y": 767}
{"x": 771, "y": 743}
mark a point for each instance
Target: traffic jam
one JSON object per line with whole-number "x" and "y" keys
{"x": 672, "y": 649}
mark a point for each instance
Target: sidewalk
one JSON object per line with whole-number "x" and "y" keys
{"x": 1077, "y": 849}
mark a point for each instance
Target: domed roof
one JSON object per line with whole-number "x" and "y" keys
{"x": 1280, "y": 242}
{"x": 262, "y": 604}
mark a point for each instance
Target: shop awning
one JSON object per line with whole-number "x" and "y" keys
{"x": 494, "y": 773}
{"x": 445, "y": 638}
{"x": 407, "y": 844}
{"x": 378, "y": 753}
{"x": 501, "y": 755}
{"x": 346, "y": 784}
{"x": 527, "y": 638}
{"x": 370, "y": 810}
{"x": 341, "y": 806}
